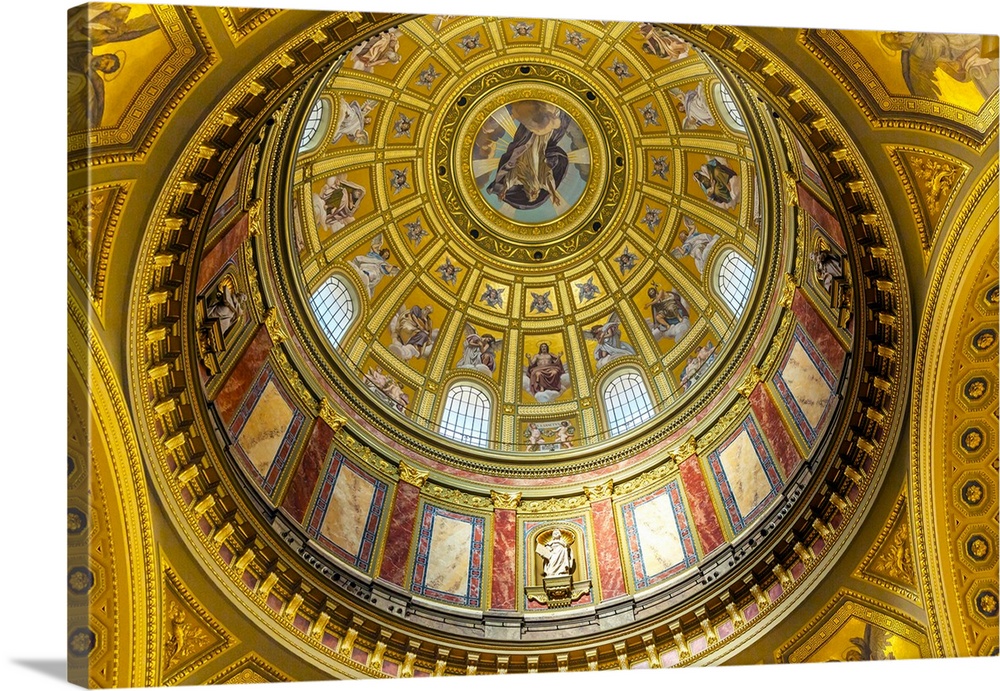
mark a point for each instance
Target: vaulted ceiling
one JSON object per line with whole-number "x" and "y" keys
{"x": 365, "y": 307}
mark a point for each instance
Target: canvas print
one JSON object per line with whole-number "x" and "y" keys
{"x": 423, "y": 345}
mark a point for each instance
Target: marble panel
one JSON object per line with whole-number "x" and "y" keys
{"x": 348, "y": 512}
{"x": 805, "y": 384}
{"x": 504, "y": 592}
{"x": 265, "y": 431}
{"x": 221, "y": 252}
{"x": 402, "y": 521}
{"x": 818, "y": 331}
{"x": 306, "y": 475}
{"x": 775, "y": 430}
{"x": 448, "y": 563}
{"x": 609, "y": 562}
{"x": 703, "y": 514}
{"x": 658, "y": 534}
{"x": 229, "y": 398}
{"x": 745, "y": 474}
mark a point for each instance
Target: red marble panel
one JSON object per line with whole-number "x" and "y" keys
{"x": 702, "y": 510}
{"x": 242, "y": 376}
{"x": 609, "y": 561}
{"x": 818, "y": 331}
{"x": 401, "y": 525}
{"x": 228, "y": 244}
{"x": 814, "y": 207}
{"x": 306, "y": 476}
{"x": 773, "y": 427}
{"x": 504, "y": 594}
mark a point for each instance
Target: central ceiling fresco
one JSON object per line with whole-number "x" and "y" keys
{"x": 531, "y": 236}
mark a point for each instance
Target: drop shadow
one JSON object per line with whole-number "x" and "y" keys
{"x": 50, "y": 668}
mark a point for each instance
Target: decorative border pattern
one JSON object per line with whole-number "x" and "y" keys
{"x": 810, "y": 433}
{"x": 641, "y": 577}
{"x": 421, "y": 559}
{"x": 268, "y": 481}
{"x": 362, "y": 559}
{"x": 736, "y": 518}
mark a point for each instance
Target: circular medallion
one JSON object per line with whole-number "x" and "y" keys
{"x": 531, "y": 161}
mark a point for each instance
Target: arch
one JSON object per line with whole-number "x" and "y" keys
{"x": 315, "y": 126}
{"x": 626, "y": 401}
{"x": 466, "y": 415}
{"x": 726, "y": 105}
{"x": 733, "y": 276}
{"x": 334, "y": 305}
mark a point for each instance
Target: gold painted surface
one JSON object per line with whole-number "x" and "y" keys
{"x": 890, "y": 562}
{"x": 191, "y": 636}
{"x": 93, "y": 215}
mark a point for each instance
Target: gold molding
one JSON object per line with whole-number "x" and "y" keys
{"x": 600, "y": 491}
{"x": 505, "y": 500}
{"x": 410, "y": 474}
{"x": 890, "y": 562}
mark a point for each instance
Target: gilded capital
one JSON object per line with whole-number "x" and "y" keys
{"x": 411, "y": 475}
{"x": 330, "y": 416}
{"x": 599, "y": 492}
{"x": 255, "y": 217}
{"x": 505, "y": 500}
{"x": 788, "y": 290}
{"x": 750, "y": 381}
{"x": 274, "y": 328}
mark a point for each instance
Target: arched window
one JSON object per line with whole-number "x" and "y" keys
{"x": 334, "y": 308}
{"x": 316, "y": 121}
{"x": 466, "y": 416}
{"x": 626, "y": 402}
{"x": 735, "y": 278}
{"x": 731, "y": 112}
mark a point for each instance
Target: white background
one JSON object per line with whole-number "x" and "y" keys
{"x": 33, "y": 565}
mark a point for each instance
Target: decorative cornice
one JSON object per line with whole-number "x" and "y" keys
{"x": 505, "y": 500}
{"x": 598, "y": 492}
{"x": 410, "y": 475}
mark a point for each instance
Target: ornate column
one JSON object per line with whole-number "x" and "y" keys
{"x": 609, "y": 559}
{"x": 401, "y": 524}
{"x": 504, "y": 593}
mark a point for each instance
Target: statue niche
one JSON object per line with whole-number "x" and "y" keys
{"x": 217, "y": 315}
{"x": 552, "y": 582}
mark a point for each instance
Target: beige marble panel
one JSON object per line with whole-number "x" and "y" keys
{"x": 659, "y": 536}
{"x": 448, "y": 558}
{"x": 806, "y": 384}
{"x": 263, "y": 432}
{"x": 745, "y": 473}
{"x": 344, "y": 523}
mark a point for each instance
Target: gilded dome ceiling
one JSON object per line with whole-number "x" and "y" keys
{"x": 532, "y": 236}
{"x": 463, "y": 345}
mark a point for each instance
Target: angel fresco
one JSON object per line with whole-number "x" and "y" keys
{"x": 540, "y": 302}
{"x": 545, "y": 377}
{"x": 609, "y": 340}
{"x": 412, "y": 332}
{"x": 352, "y": 121}
{"x": 669, "y": 314}
{"x": 697, "y": 364}
{"x": 336, "y": 203}
{"x": 378, "y": 50}
{"x": 694, "y": 106}
{"x": 588, "y": 290}
{"x": 387, "y": 388}
{"x": 719, "y": 182}
{"x": 956, "y": 55}
{"x": 479, "y": 351}
{"x": 694, "y": 244}
{"x": 374, "y": 265}
{"x": 549, "y": 437}
{"x": 89, "y": 27}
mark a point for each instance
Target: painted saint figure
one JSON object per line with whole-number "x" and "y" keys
{"x": 694, "y": 244}
{"x": 534, "y": 163}
{"x": 557, "y": 557}
{"x": 670, "y": 317}
{"x": 956, "y": 55}
{"x": 387, "y": 388}
{"x": 545, "y": 377}
{"x": 694, "y": 106}
{"x": 352, "y": 121}
{"x": 609, "y": 340}
{"x": 719, "y": 182}
{"x": 374, "y": 265}
{"x": 379, "y": 50}
{"x": 413, "y": 334}
{"x": 662, "y": 44}
{"x": 480, "y": 351}
{"x": 336, "y": 202}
